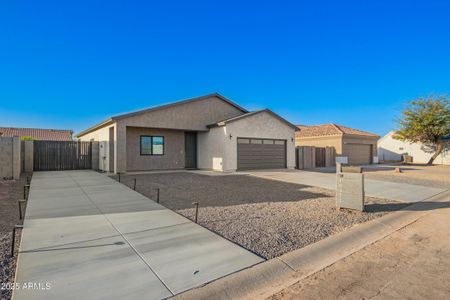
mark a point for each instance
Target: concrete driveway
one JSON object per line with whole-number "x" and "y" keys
{"x": 87, "y": 236}
{"x": 374, "y": 188}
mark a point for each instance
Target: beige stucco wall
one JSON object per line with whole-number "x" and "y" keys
{"x": 349, "y": 139}
{"x": 6, "y": 157}
{"x": 99, "y": 135}
{"x": 173, "y": 157}
{"x": 102, "y": 136}
{"x": 339, "y": 142}
{"x": 322, "y": 141}
{"x": 217, "y": 146}
{"x": 194, "y": 115}
{"x": 28, "y": 156}
{"x": 262, "y": 125}
{"x": 210, "y": 149}
{"x": 10, "y": 157}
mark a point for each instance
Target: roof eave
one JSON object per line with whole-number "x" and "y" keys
{"x": 361, "y": 135}
{"x": 225, "y": 122}
{"x": 320, "y": 136}
{"x": 95, "y": 127}
{"x": 223, "y": 98}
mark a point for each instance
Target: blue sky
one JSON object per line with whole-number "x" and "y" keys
{"x": 70, "y": 64}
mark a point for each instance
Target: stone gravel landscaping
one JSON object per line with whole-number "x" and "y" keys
{"x": 10, "y": 192}
{"x": 265, "y": 216}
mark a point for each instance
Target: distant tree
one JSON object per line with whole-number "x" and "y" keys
{"x": 427, "y": 121}
{"x": 27, "y": 138}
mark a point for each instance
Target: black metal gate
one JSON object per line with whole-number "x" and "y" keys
{"x": 62, "y": 155}
{"x": 320, "y": 157}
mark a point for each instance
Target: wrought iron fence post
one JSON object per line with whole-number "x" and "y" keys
{"x": 20, "y": 208}
{"x": 157, "y": 195}
{"x": 196, "y": 210}
{"x": 25, "y": 188}
{"x": 134, "y": 187}
{"x": 13, "y": 238}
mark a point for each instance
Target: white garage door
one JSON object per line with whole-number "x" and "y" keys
{"x": 260, "y": 154}
{"x": 358, "y": 154}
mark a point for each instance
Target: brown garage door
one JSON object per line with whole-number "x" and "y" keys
{"x": 260, "y": 154}
{"x": 358, "y": 154}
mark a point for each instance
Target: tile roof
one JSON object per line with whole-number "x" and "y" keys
{"x": 329, "y": 129}
{"x": 38, "y": 134}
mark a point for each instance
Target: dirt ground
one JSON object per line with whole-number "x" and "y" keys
{"x": 10, "y": 192}
{"x": 267, "y": 217}
{"x": 436, "y": 176}
{"x": 412, "y": 263}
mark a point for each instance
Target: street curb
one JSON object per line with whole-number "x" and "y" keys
{"x": 272, "y": 276}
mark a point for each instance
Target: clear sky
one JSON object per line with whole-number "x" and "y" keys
{"x": 70, "y": 64}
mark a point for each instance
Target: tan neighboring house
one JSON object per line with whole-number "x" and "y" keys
{"x": 37, "y": 133}
{"x": 209, "y": 132}
{"x": 360, "y": 147}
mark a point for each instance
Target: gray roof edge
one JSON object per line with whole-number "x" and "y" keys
{"x": 131, "y": 114}
{"x": 92, "y": 128}
{"x": 138, "y": 112}
{"x": 224, "y": 122}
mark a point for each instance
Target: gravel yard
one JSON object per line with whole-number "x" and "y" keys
{"x": 265, "y": 216}
{"x": 10, "y": 192}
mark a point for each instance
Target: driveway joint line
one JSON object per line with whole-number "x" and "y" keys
{"x": 77, "y": 242}
{"x": 128, "y": 242}
{"x": 156, "y": 228}
{"x": 287, "y": 264}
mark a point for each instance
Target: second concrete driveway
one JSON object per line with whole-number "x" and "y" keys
{"x": 374, "y": 188}
{"x": 87, "y": 236}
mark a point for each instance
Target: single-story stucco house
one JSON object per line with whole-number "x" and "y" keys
{"x": 390, "y": 149}
{"x": 208, "y": 132}
{"x": 360, "y": 147}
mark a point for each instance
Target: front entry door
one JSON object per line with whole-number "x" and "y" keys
{"x": 190, "y": 149}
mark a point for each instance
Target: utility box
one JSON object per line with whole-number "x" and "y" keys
{"x": 407, "y": 159}
{"x": 103, "y": 157}
{"x": 350, "y": 191}
{"x": 351, "y": 169}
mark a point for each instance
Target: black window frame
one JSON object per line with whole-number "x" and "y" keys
{"x": 151, "y": 145}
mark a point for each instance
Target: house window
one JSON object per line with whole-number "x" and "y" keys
{"x": 152, "y": 145}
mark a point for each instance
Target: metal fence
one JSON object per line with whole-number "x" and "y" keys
{"x": 62, "y": 155}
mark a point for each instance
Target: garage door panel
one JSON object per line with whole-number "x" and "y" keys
{"x": 261, "y": 154}
{"x": 259, "y": 157}
{"x": 259, "y": 166}
{"x": 358, "y": 154}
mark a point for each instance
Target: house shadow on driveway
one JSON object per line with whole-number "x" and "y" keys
{"x": 419, "y": 206}
{"x": 179, "y": 190}
{"x": 265, "y": 216}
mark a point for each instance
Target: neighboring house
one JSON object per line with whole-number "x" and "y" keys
{"x": 208, "y": 132}
{"x": 359, "y": 146}
{"x": 390, "y": 149}
{"x": 37, "y": 133}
